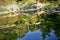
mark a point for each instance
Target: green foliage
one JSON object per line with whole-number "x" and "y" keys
{"x": 4, "y": 19}
{"x": 3, "y": 9}
{"x": 48, "y": 22}
{"x": 26, "y": 22}
{"x": 12, "y": 20}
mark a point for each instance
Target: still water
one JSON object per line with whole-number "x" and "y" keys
{"x": 37, "y": 35}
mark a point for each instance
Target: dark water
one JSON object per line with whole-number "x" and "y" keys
{"x": 37, "y": 35}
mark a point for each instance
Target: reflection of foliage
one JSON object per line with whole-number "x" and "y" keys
{"x": 4, "y": 19}
{"x": 4, "y": 2}
{"x": 48, "y": 22}
{"x": 12, "y": 20}
{"x": 13, "y": 33}
{"x": 51, "y": 21}
{"x": 3, "y": 9}
{"x": 49, "y": 6}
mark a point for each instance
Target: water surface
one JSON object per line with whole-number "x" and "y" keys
{"x": 37, "y": 35}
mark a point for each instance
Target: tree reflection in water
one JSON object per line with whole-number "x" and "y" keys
{"x": 46, "y": 24}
